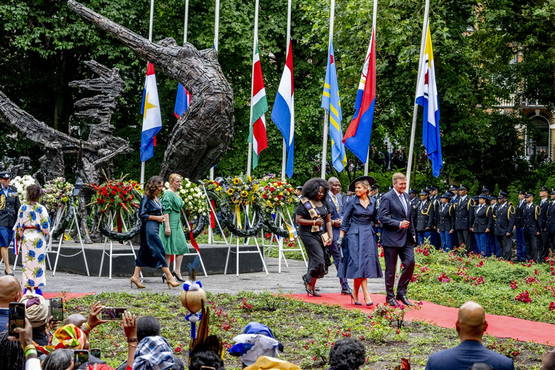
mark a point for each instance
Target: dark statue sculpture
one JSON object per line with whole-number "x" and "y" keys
{"x": 205, "y": 131}
{"x": 196, "y": 143}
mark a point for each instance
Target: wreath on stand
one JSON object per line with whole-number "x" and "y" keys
{"x": 195, "y": 209}
{"x": 275, "y": 196}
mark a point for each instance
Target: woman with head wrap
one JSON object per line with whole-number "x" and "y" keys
{"x": 36, "y": 311}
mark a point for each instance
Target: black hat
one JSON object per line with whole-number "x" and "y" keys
{"x": 446, "y": 196}
{"x": 502, "y": 195}
{"x": 522, "y": 192}
{"x": 453, "y": 188}
{"x": 412, "y": 191}
{"x": 544, "y": 188}
{"x": 492, "y": 197}
{"x": 370, "y": 180}
{"x": 485, "y": 190}
{"x": 423, "y": 192}
{"x": 299, "y": 188}
{"x": 430, "y": 188}
{"x": 5, "y": 175}
{"x": 375, "y": 187}
{"x": 483, "y": 196}
{"x": 528, "y": 195}
{"x": 552, "y": 192}
{"x": 462, "y": 187}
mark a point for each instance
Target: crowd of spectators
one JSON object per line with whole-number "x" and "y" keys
{"x": 45, "y": 344}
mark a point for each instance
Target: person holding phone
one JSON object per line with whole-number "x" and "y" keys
{"x": 32, "y": 227}
{"x": 151, "y": 252}
{"x": 24, "y": 335}
{"x": 171, "y": 231}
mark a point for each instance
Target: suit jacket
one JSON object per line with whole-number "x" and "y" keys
{"x": 463, "y": 213}
{"x": 550, "y": 217}
{"x": 503, "y": 219}
{"x": 444, "y": 217}
{"x": 543, "y": 213}
{"x": 481, "y": 219}
{"x": 519, "y": 210}
{"x": 425, "y": 216}
{"x": 530, "y": 218}
{"x": 465, "y": 355}
{"x": 335, "y": 212}
{"x": 390, "y": 214}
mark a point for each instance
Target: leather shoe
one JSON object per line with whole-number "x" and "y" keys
{"x": 392, "y": 302}
{"x": 405, "y": 300}
{"x": 345, "y": 291}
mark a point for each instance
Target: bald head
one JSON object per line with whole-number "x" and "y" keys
{"x": 471, "y": 322}
{"x": 335, "y": 185}
{"x": 10, "y": 291}
{"x": 76, "y": 319}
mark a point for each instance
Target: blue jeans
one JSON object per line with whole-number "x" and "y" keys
{"x": 423, "y": 235}
{"x": 446, "y": 241}
{"x": 520, "y": 244}
{"x": 481, "y": 243}
{"x": 494, "y": 249}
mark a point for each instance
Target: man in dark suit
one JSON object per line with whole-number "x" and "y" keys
{"x": 503, "y": 223}
{"x": 543, "y": 240}
{"x": 398, "y": 238}
{"x": 335, "y": 200}
{"x": 519, "y": 228}
{"x": 530, "y": 219}
{"x": 550, "y": 221}
{"x": 471, "y": 325}
{"x": 463, "y": 217}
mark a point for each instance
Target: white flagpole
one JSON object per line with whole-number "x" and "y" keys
{"x": 326, "y": 114}
{"x": 374, "y": 30}
{"x": 254, "y": 42}
{"x": 150, "y": 27}
{"x": 415, "y": 108}
{"x": 186, "y": 22}
{"x": 216, "y": 39}
{"x": 288, "y": 39}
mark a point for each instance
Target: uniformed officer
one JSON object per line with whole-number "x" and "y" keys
{"x": 481, "y": 224}
{"x": 503, "y": 224}
{"x": 454, "y": 190}
{"x": 444, "y": 221}
{"x": 492, "y": 245}
{"x": 463, "y": 217}
{"x": 424, "y": 218}
{"x": 9, "y": 206}
{"x": 519, "y": 227}
{"x": 530, "y": 218}
{"x": 543, "y": 241}
{"x": 434, "y": 198}
{"x": 550, "y": 221}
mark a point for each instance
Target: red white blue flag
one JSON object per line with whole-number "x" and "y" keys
{"x": 182, "y": 101}
{"x": 358, "y": 134}
{"x": 152, "y": 118}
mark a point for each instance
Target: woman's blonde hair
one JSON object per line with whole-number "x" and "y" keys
{"x": 175, "y": 176}
{"x": 364, "y": 183}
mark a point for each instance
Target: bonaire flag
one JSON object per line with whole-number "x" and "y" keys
{"x": 426, "y": 96}
{"x": 182, "y": 101}
{"x": 283, "y": 112}
{"x": 259, "y": 107}
{"x": 152, "y": 119}
{"x": 358, "y": 134}
{"x": 332, "y": 103}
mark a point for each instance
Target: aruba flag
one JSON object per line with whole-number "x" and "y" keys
{"x": 426, "y": 96}
{"x": 283, "y": 112}
{"x": 358, "y": 134}
{"x": 182, "y": 101}
{"x": 152, "y": 118}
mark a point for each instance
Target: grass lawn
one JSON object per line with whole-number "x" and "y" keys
{"x": 306, "y": 330}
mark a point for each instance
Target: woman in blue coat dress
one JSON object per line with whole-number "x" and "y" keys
{"x": 360, "y": 261}
{"x": 151, "y": 253}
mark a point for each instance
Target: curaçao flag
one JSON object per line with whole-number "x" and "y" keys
{"x": 152, "y": 118}
{"x": 182, "y": 101}
{"x": 332, "y": 103}
{"x": 259, "y": 107}
{"x": 358, "y": 134}
{"x": 426, "y": 96}
{"x": 283, "y": 112}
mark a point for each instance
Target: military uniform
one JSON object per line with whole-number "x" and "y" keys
{"x": 444, "y": 223}
{"x": 9, "y": 205}
{"x": 463, "y": 220}
{"x": 543, "y": 242}
{"x": 550, "y": 222}
{"x": 480, "y": 226}
{"x": 425, "y": 220}
{"x": 503, "y": 224}
{"x": 519, "y": 230}
{"x": 530, "y": 219}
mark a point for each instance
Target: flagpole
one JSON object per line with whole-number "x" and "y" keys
{"x": 216, "y": 39}
{"x": 288, "y": 40}
{"x": 186, "y": 22}
{"x": 150, "y": 27}
{"x": 254, "y": 42}
{"x": 415, "y": 108}
{"x": 374, "y": 35}
{"x": 326, "y": 114}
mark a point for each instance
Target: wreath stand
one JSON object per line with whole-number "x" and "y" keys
{"x": 239, "y": 245}
{"x": 281, "y": 220}
{"x": 212, "y": 211}
{"x": 74, "y": 222}
{"x": 196, "y": 251}
{"x": 110, "y": 253}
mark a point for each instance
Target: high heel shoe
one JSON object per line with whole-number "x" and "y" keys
{"x": 172, "y": 283}
{"x": 312, "y": 292}
{"x": 177, "y": 277}
{"x": 164, "y": 278}
{"x": 368, "y": 304}
{"x": 137, "y": 283}
{"x": 354, "y": 300}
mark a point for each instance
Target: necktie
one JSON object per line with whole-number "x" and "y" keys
{"x": 402, "y": 199}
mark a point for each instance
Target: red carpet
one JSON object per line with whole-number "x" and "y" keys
{"x": 498, "y": 326}
{"x": 66, "y": 295}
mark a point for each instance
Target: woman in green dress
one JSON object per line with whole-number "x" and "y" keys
{"x": 171, "y": 230}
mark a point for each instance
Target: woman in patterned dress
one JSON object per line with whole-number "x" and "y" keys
{"x": 32, "y": 228}
{"x": 171, "y": 231}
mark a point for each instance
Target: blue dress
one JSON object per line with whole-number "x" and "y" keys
{"x": 151, "y": 253}
{"x": 360, "y": 253}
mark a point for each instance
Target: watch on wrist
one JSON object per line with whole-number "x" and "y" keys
{"x": 132, "y": 340}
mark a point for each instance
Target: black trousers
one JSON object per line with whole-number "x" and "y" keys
{"x": 543, "y": 248}
{"x": 531, "y": 244}
{"x": 506, "y": 246}
{"x": 464, "y": 237}
{"x": 318, "y": 256}
{"x": 407, "y": 259}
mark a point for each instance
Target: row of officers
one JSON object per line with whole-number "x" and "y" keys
{"x": 486, "y": 224}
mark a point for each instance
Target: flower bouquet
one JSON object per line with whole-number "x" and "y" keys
{"x": 21, "y": 183}
{"x": 194, "y": 199}
{"x": 277, "y": 194}
{"x": 57, "y": 193}
{"x": 240, "y": 190}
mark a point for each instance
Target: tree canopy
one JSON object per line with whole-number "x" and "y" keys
{"x": 44, "y": 44}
